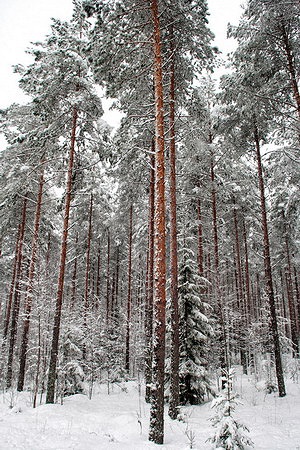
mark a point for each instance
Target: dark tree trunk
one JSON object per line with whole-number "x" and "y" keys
{"x": 87, "y": 276}
{"x": 108, "y": 279}
{"x": 28, "y": 297}
{"x": 16, "y": 299}
{"x": 88, "y": 257}
{"x": 291, "y": 66}
{"x": 156, "y": 432}
{"x": 74, "y": 275}
{"x": 12, "y": 286}
{"x": 268, "y": 272}
{"x": 62, "y": 266}
{"x": 249, "y": 300}
{"x": 174, "y": 376}
{"x": 150, "y": 282}
{"x": 290, "y": 296}
{"x": 129, "y": 286}
{"x": 98, "y": 279}
{"x": 200, "y": 240}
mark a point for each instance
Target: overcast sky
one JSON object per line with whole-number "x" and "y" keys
{"x": 24, "y": 21}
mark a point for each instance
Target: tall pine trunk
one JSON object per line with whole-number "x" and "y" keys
{"x": 150, "y": 282}
{"x": 268, "y": 271}
{"x": 174, "y": 376}
{"x": 129, "y": 286}
{"x": 12, "y": 286}
{"x": 29, "y": 290}
{"x": 200, "y": 240}
{"x": 156, "y": 432}
{"x": 16, "y": 299}
{"x": 62, "y": 266}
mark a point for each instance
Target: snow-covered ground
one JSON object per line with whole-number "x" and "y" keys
{"x": 120, "y": 421}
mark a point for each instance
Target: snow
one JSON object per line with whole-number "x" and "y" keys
{"x": 120, "y": 420}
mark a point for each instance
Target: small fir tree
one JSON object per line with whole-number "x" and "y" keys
{"x": 229, "y": 434}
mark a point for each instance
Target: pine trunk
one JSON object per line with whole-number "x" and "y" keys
{"x": 62, "y": 266}
{"x": 16, "y": 299}
{"x": 291, "y": 67}
{"x": 156, "y": 432}
{"x": 29, "y": 290}
{"x": 268, "y": 272}
{"x": 174, "y": 376}
{"x": 12, "y": 286}
{"x": 128, "y": 320}
{"x": 108, "y": 279}
{"x": 200, "y": 239}
{"x": 150, "y": 282}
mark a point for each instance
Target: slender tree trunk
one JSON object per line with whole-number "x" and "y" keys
{"x": 87, "y": 277}
{"x": 291, "y": 67}
{"x": 29, "y": 290}
{"x": 88, "y": 256}
{"x": 129, "y": 286}
{"x": 108, "y": 279}
{"x": 214, "y": 212}
{"x": 268, "y": 272}
{"x": 74, "y": 274}
{"x": 291, "y": 302}
{"x": 150, "y": 287}
{"x": 156, "y": 432}
{"x": 98, "y": 280}
{"x": 62, "y": 266}
{"x": 250, "y": 306}
{"x": 16, "y": 300}
{"x": 200, "y": 240}
{"x": 174, "y": 377}
{"x": 297, "y": 293}
{"x": 224, "y": 356}
{"x": 12, "y": 286}
{"x": 117, "y": 276}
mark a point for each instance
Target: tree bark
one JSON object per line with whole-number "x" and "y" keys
{"x": 12, "y": 286}
{"x": 29, "y": 290}
{"x": 150, "y": 283}
{"x": 290, "y": 296}
{"x": 291, "y": 67}
{"x": 62, "y": 266}
{"x": 200, "y": 239}
{"x": 129, "y": 286}
{"x": 156, "y": 432}
{"x": 268, "y": 271}
{"x": 16, "y": 301}
{"x": 174, "y": 376}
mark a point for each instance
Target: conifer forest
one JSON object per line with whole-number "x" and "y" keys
{"x": 166, "y": 249}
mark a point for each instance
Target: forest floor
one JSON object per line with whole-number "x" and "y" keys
{"x": 120, "y": 420}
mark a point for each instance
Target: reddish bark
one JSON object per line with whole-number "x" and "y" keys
{"x": 174, "y": 376}
{"x": 156, "y": 432}
{"x": 62, "y": 266}
{"x": 268, "y": 271}
{"x": 28, "y": 296}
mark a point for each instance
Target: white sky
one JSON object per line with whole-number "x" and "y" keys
{"x": 24, "y": 21}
